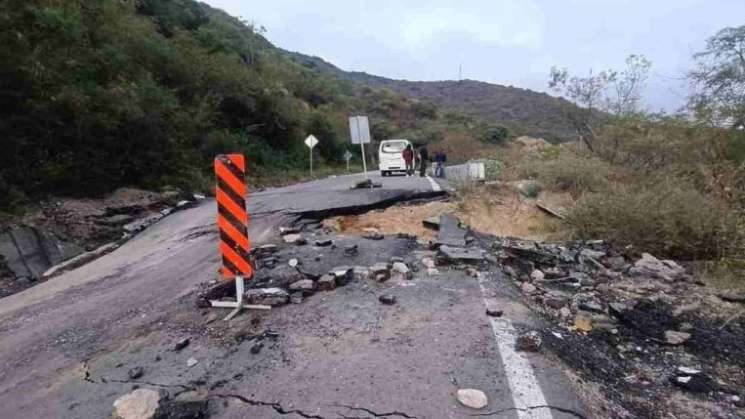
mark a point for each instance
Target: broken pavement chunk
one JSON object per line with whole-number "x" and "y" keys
{"x": 306, "y": 286}
{"x": 450, "y": 233}
{"x": 324, "y": 243}
{"x": 327, "y": 282}
{"x": 342, "y": 275}
{"x": 288, "y": 230}
{"x": 380, "y": 272}
{"x": 267, "y": 296}
{"x": 461, "y": 254}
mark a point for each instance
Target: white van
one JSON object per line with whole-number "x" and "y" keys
{"x": 390, "y": 157}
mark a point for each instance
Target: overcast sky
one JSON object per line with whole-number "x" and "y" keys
{"x": 511, "y": 42}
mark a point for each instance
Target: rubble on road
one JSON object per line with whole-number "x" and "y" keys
{"x": 528, "y": 341}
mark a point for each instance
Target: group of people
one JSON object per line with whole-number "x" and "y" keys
{"x": 420, "y": 158}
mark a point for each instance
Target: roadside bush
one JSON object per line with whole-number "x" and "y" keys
{"x": 492, "y": 169}
{"x": 494, "y": 134}
{"x": 668, "y": 218}
{"x": 568, "y": 172}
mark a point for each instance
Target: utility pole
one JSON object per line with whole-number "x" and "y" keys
{"x": 460, "y": 72}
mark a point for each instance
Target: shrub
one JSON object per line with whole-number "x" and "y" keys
{"x": 568, "y": 172}
{"x": 492, "y": 169}
{"x": 668, "y": 218}
{"x": 494, "y": 134}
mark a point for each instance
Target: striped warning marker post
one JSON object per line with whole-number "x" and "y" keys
{"x": 232, "y": 221}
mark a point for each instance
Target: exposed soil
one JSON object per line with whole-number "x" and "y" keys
{"x": 499, "y": 212}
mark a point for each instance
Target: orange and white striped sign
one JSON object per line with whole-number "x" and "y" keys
{"x": 232, "y": 217}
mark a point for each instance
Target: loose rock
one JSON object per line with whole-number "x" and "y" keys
{"x": 343, "y": 275}
{"x": 324, "y": 243}
{"x": 139, "y": 404}
{"x": 494, "y": 312}
{"x": 295, "y": 239}
{"x": 387, "y": 299}
{"x": 327, "y": 282}
{"x": 401, "y": 268}
{"x": 673, "y": 337}
{"x": 528, "y": 342}
{"x": 372, "y": 234}
{"x": 380, "y": 272}
{"x": 475, "y": 399}
{"x": 528, "y": 288}
{"x": 191, "y": 362}
{"x": 135, "y": 373}
{"x": 350, "y": 250}
{"x": 181, "y": 344}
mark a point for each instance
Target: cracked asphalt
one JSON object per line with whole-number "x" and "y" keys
{"x": 67, "y": 344}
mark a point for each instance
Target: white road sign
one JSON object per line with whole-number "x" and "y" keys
{"x": 311, "y": 141}
{"x": 359, "y": 129}
{"x": 347, "y": 155}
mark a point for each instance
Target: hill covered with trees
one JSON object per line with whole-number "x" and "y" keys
{"x": 98, "y": 95}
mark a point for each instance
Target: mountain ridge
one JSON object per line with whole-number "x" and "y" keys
{"x": 522, "y": 110}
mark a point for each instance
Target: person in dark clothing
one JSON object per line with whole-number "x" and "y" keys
{"x": 440, "y": 159}
{"x": 408, "y": 155}
{"x": 423, "y": 158}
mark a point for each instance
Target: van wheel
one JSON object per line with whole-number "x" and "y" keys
{"x": 383, "y": 173}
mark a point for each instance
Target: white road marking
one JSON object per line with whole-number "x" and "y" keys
{"x": 526, "y": 392}
{"x": 435, "y": 186}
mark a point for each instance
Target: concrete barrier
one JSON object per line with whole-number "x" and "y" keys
{"x": 474, "y": 170}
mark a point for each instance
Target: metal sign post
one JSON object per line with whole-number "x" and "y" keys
{"x": 232, "y": 220}
{"x": 347, "y": 157}
{"x": 359, "y": 129}
{"x": 311, "y": 142}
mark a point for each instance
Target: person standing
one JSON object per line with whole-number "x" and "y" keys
{"x": 440, "y": 159}
{"x": 408, "y": 155}
{"x": 423, "y": 158}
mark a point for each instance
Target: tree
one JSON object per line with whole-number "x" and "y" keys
{"x": 494, "y": 134}
{"x": 719, "y": 79}
{"x": 609, "y": 91}
{"x": 627, "y": 86}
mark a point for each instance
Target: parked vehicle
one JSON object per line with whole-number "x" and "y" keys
{"x": 390, "y": 156}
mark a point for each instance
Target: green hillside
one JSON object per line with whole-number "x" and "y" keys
{"x": 101, "y": 94}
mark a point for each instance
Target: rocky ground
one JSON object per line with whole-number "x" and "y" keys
{"x": 659, "y": 342}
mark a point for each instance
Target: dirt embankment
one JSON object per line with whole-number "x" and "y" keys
{"x": 67, "y": 229}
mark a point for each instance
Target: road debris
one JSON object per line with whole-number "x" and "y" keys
{"x": 494, "y": 312}
{"x": 387, "y": 299}
{"x": 191, "y": 362}
{"x": 475, "y": 399}
{"x": 181, "y": 344}
{"x": 528, "y": 342}
{"x": 135, "y": 373}
{"x": 296, "y": 239}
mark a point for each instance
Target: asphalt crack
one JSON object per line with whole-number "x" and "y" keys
{"x": 529, "y": 408}
{"x": 274, "y": 405}
{"x": 373, "y": 413}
